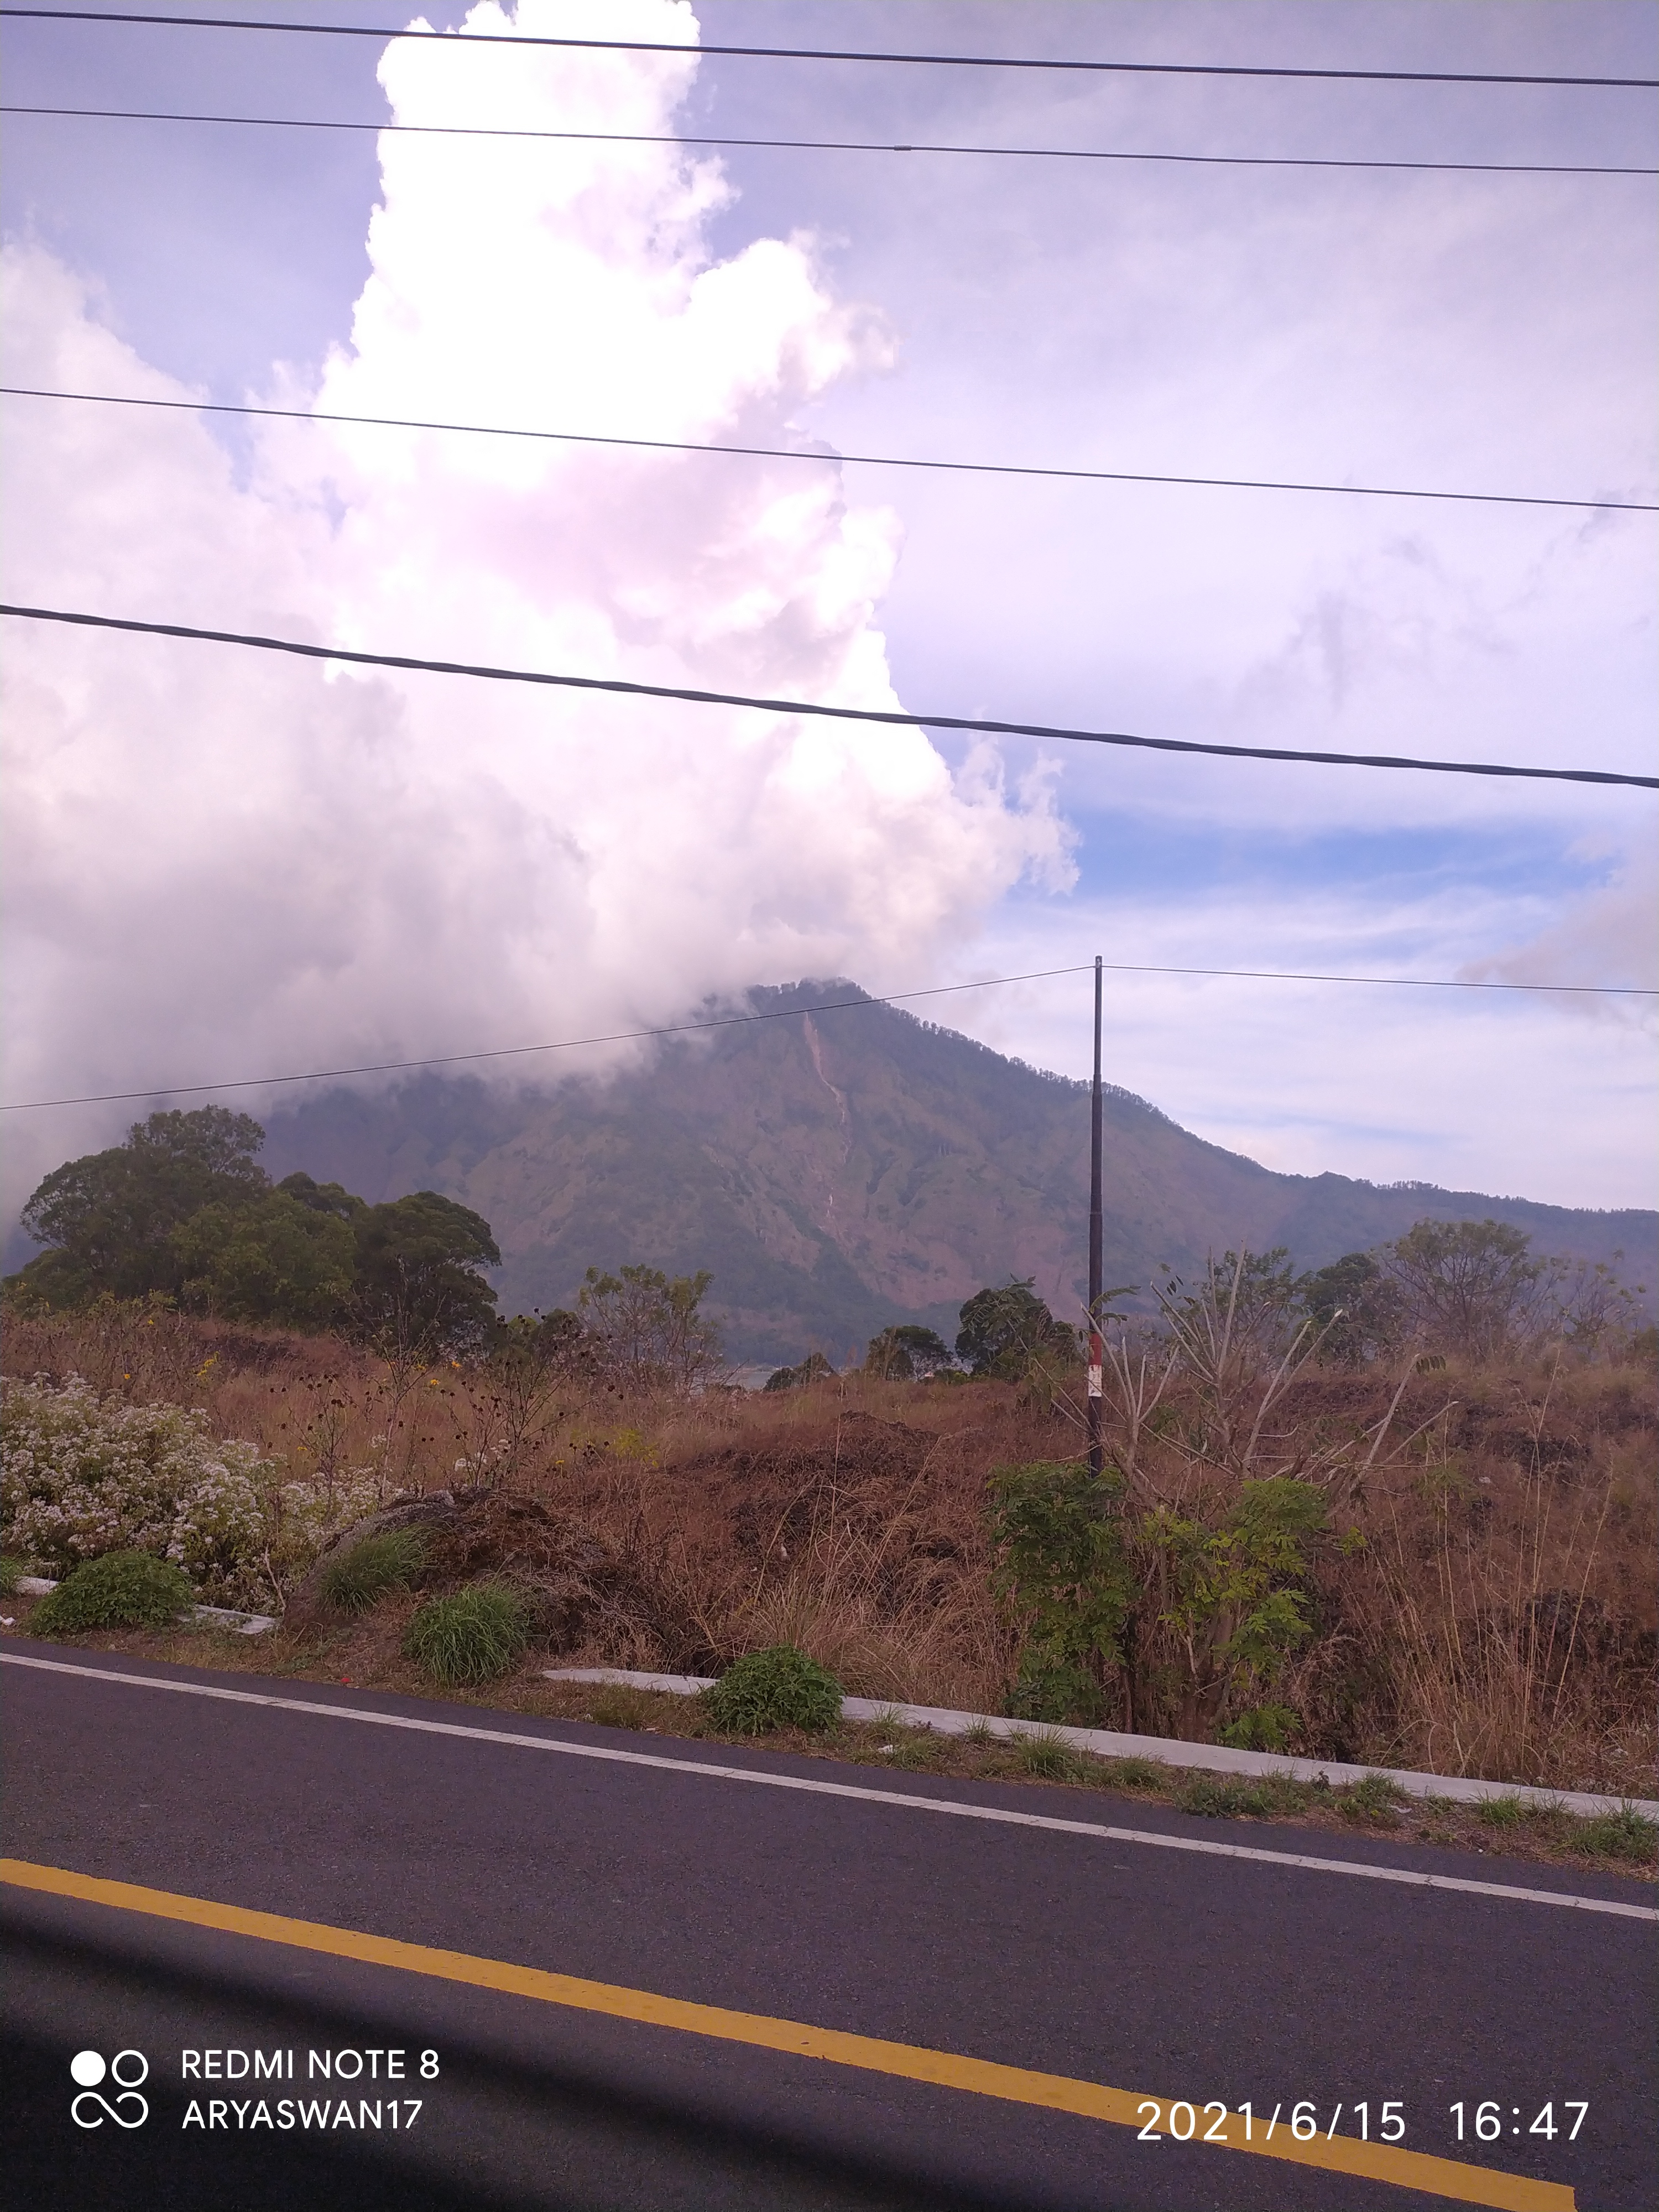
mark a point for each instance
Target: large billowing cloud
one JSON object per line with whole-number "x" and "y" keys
{"x": 221, "y": 862}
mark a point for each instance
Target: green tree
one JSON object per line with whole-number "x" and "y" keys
{"x": 906, "y": 1354}
{"x": 419, "y": 1285}
{"x": 108, "y": 1219}
{"x": 278, "y": 1260}
{"x": 1006, "y": 1332}
{"x": 1354, "y": 1307}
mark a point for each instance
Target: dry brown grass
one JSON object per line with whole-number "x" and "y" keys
{"x": 1499, "y": 1618}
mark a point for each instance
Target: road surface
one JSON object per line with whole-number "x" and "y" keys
{"x": 648, "y": 1984}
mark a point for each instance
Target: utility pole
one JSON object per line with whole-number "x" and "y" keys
{"x": 1096, "y": 1282}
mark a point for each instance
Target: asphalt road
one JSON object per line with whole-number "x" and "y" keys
{"x": 1171, "y": 1974}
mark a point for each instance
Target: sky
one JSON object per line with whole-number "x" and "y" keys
{"x": 218, "y": 864}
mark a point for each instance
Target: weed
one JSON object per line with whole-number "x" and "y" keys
{"x": 618, "y": 1707}
{"x": 11, "y": 1573}
{"x": 1049, "y": 1757}
{"x": 779, "y": 1687}
{"x": 1138, "y": 1773}
{"x": 1211, "y": 1797}
{"x": 1503, "y": 1812}
{"x": 122, "y": 1589}
{"x": 1374, "y": 1799}
{"x": 370, "y": 1570}
{"x": 1626, "y": 1834}
{"x": 473, "y": 1637}
{"x": 979, "y": 1732}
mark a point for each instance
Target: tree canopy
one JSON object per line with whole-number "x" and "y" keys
{"x": 182, "y": 1210}
{"x": 1005, "y": 1332}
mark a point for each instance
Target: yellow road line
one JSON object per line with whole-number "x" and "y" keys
{"x": 1372, "y": 2162}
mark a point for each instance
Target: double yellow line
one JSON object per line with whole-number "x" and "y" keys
{"x": 1370, "y": 2161}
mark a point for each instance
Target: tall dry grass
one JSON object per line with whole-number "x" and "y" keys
{"x": 1498, "y": 1617}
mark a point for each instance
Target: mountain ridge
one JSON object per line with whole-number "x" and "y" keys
{"x": 840, "y": 1170}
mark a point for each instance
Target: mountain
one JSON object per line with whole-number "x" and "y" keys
{"x": 837, "y": 1171}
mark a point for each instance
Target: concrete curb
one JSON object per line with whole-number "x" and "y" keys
{"x": 245, "y": 1624}
{"x": 1211, "y": 1758}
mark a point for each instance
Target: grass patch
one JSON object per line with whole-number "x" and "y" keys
{"x": 473, "y": 1637}
{"x": 360, "y": 1578}
{"x": 1047, "y": 1759}
{"x": 1213, "y": 1796}
{"x": 1626, "y": 1834}
{"x": 1504, "y": 1812}
{"x": 124, "y": 1590}
{"x": 12, "y": 1572}
{"x": 1376, "y": 1800}
{"x": 1136, "y": 1774}
{"x": 779, "y": 1687}
{"x": 618, "y": 1705}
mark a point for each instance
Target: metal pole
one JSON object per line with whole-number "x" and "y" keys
{"x": 1096, "y": 1282}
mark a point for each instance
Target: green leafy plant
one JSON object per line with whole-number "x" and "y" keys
{"x": 1061, "y": 1570}
{"x": 122, "y": 1589}
{"x": 1235, "y": 1593}
{"x": 1262, "y": 1728}
{"x": 470, "y": 1637}
{"x": 370, "y": 1570}
{"x": 779, "y": 1687}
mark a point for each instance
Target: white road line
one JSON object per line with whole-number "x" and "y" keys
{"x": 999, "y": 1813}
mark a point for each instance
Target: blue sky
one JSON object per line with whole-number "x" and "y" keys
{"x": 1480, "y": 333}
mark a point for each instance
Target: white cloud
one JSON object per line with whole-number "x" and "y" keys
{"x": 221, "y": 863}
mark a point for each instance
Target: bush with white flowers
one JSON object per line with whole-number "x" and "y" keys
{"x": 81, "y": 1475}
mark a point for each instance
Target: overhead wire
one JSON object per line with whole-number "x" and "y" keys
{"x": 976, "y": 725}
{"x": 783, "y": 1013}
{"x": 844, "y": 54}
{"x": 972, "y": 724}
{"x": 848, "y": 145}
{"x": 850, "y": 461}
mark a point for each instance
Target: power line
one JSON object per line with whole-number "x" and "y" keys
{"x": 971, "y": 723}
{"x": 783, "y": 1013}
{"x": 853, "y": 145}
{"x": 841, "y": 54}
{"x": 850, "y": 461}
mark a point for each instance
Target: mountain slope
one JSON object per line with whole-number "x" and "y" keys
{"x": 838, "y": 1171}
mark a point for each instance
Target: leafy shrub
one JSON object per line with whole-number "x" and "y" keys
{"x": 470, "y": 1637}
{"x": 360, "y": 1578}
{"x": 1060, "y": 1568}
{"x": 1263, "y": 1727}
{"x": 81, "y": 1475}
{"x": 779, "y": 1687}
{"x": 122, "y": 1590}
